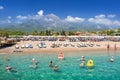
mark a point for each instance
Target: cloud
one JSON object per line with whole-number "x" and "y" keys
{"x": 40, "y": 13}
{"x": 74, "y": 19}
{"x": 9, "y": 17}
{"x": 9, "y": 21}
{"x": 54, "y": 19}
{"x": 5, "y": 21}
{"x": 34, "y": 17}
{"x": 51, "y": 17}
{"x": 21, "y": 17}
{"x": 100, "y": 16}
{"x": 102, "y": 19}
{"x": 116, "y": 23}
{"x": 1, "y": 7}
{"x": 111, "y": 16}
{"x": 39, "y": 16}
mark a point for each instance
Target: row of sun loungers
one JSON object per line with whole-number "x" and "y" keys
{"x": 55, "y": 45}
{"x": 40, "y": 45}
{"x": 24, "y": 46}
{"x": 73, "y": 45}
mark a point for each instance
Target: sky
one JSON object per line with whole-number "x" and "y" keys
{"x": 96, "y": 11}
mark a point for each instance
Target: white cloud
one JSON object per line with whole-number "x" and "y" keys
{"x": 21, "y": 17}
{"x": 111, "y": 15}
{"x": 40, "y": 13}
{"x": 1, "y": 7}
{"x": 51, "y": 17}
{"x": 100, "y": 16}
{"x": 9, "y": 17}
{"x": 91, "y": 19}
{"x": 99, "y": 27}
{"x": 102, "y": 19}
{"x": 8, "y": 21}
{"x": 74, "y": 19}
{"x": 116, "y": 23}
{"x": 5, "y": 21}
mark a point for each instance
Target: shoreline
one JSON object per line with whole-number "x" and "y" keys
{"x": 35, "y": 49}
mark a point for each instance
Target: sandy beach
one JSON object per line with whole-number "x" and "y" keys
{"x": 69, "y": 48}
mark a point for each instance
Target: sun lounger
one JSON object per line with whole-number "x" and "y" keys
{"x": 22, "y": 46}
{"x": 16, "y": 46}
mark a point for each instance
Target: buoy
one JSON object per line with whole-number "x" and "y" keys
{"x": 90, "y": 63}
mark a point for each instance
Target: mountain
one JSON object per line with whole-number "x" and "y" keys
{"x": 56, "y": 24}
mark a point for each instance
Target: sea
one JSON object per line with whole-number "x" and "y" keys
{"x": 69, "y": 68}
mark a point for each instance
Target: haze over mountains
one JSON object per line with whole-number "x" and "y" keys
{"x": 51, "y": 21}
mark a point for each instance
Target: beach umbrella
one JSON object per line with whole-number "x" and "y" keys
{"x": 42, "y": 43}
{"x": 30, "y": 46}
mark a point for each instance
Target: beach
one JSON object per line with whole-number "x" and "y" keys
{"x": 97, "y": 46}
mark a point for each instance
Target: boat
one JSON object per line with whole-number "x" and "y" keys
{"x": 61, "y": 56}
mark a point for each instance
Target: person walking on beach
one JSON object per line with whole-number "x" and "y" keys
{"x": 108, "y": 46}
{"x": 115, "y": 48}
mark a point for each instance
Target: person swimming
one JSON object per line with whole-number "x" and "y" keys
{"x": 8, "y": 68}
{"x": 61, "y": 56}
{"x": 82, "y": 64}
{"x": 112, "y": 59}
{"x": 83, "y": 58}
{"x": 51, "y": 64}
{"x": 35, "y": 62}
{"x": 56, "y": 68}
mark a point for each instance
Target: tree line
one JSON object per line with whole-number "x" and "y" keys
{"x": 52, "y": 32}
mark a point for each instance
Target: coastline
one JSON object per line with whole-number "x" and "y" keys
{"x": 35, "y": 49}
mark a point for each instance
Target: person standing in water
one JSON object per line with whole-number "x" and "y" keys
{"x": 51, "y": 64}
{"x": 56, "y": 68}
{"x": 35, "y": 62}
{"x": 82, "y": 61}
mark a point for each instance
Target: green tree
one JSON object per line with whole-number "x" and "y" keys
{"x": 42, "y": 33}
{"x": 63, "y": 32}
{"x": 5, "y": 34}
{"x": 35, "y": 32}
{"x": 48, "y": 32}
{"x": 102, "y": 32}
{"x": 118, "y": 30}
{"x": 56, "y": 33}
{"x": 110, "y": 32}
{"x": 71, "y": 33}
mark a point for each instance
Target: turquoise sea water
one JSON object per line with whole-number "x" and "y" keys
{"x": 69, "y": 68}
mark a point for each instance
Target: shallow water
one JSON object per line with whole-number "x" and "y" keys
{"x": 69, "y": 68}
